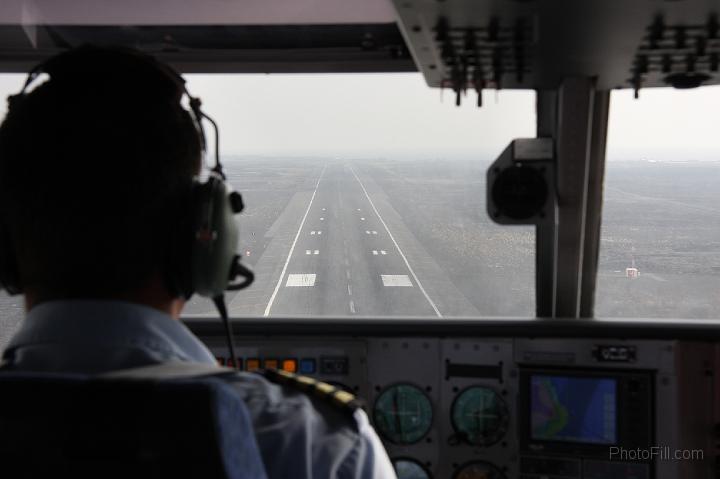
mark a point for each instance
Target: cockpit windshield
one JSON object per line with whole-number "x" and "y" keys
{"x": 660, "y": 241}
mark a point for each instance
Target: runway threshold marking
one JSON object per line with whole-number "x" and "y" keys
{"x": 392, "y": 238}
{"x": 396, "y": 280}
{"x": 301, "y": 280}
{"x": 292, "y": 248}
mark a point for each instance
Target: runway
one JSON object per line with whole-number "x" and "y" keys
{"x": 345, "y": 259}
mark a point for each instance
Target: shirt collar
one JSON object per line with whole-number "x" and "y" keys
{"x": 70, "y": 329}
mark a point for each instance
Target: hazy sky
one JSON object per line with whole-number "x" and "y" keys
{"x": 374, "y": 115}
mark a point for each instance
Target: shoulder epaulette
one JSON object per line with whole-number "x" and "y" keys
{"x": 327, "y": 392}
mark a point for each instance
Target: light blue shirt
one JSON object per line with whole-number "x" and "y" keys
{"x": 298, "y": 436}
{"x": 90, "y": 337}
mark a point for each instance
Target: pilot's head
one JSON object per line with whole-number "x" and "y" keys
{"x": 96, "y": 165}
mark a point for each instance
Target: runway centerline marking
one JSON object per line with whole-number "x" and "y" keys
{"x": 402, "y": 255}
{"x": 362, "y": 219}
{"x": 375, "y": 252}
{"x": 382, "y": 251}
{"x": 307, "y": 251}
{"x": 352, "y": 307}
{"x": 301, "y": 280}
{"x": 349, "y": 290}
{"x": 316, "y": 252}
{"x": 322, "y": 219}
{"x": 292, "y": 248}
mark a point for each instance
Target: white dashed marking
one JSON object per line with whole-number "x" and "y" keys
{"x": 370, "y": 232}
{"x": 292, "y": 248}
{"x": 300, "y": 280}
{"x": 358, "y": 209}
{"x": 352, "y": 307}
{"x": 362, "y": 219}
{"x": 322, "y": 219}
{"x": 307, "y": 251}
{"x": 316, "y": 251}
{"x": 375, "y": 252}
{"x": 396, "y": 280}
{"x": 349, "y": 290}
{"x": 319, "y": 232}
{"x": 382, "y": 251}
{"x": 402, "y": 255}
{"x": 323, "y": 209}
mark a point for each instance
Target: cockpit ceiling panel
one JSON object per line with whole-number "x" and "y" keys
{"x": 223, "y": 48}
{"x": 468, "y": 44}
{"x": 195, "y": 12}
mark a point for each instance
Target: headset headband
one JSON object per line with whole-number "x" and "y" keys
{"x": 76, "y": 62}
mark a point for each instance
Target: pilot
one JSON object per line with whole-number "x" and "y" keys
{"x": 95, "y": 168}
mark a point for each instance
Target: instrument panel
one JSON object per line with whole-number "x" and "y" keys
{"x": 497, "y": 408}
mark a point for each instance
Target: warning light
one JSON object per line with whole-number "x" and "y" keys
{"x": 252, "y": 364}
{"x": 290, "y": 365}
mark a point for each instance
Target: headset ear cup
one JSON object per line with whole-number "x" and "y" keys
{"x": 215, "y": 238}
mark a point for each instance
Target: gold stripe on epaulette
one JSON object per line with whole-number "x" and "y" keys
{"x": 327, "y": 392}
{"x": 324, "y": 389}
{"x": 305, "y": 383}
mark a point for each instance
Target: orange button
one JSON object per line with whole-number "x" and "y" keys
{"x": 252, "y": 364}
{"x": 270, "y": 364}
{"x": 290, "y": 365}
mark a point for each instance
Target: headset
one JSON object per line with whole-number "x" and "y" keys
{"x": 213, "y": 265}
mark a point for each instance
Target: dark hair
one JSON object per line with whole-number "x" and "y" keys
{"x": 96, "y": 167}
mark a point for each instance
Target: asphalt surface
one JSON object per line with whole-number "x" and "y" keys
{"x": 345, "y": 260}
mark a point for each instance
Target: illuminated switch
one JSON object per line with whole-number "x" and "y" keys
{"x": 252, "y": 364}
{"x": 290, "y": 365}
{"x": 270, "y": 364}
{"x": 308, "y": 366}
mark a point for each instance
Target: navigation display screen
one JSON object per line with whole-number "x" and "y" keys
{"x": 573, "y": 409}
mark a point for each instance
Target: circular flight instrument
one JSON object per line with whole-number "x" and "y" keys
{"x": 479, "y": 416}
{"x": 403, "y": 414}
{"x": 409, "y": 469}
{"x": 479, "y": 470}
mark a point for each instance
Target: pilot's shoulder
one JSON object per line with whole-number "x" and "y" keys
{"x": 333, "y": 396}
{"x": 273, "y": 393}
{"x": 292, "y": 413}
